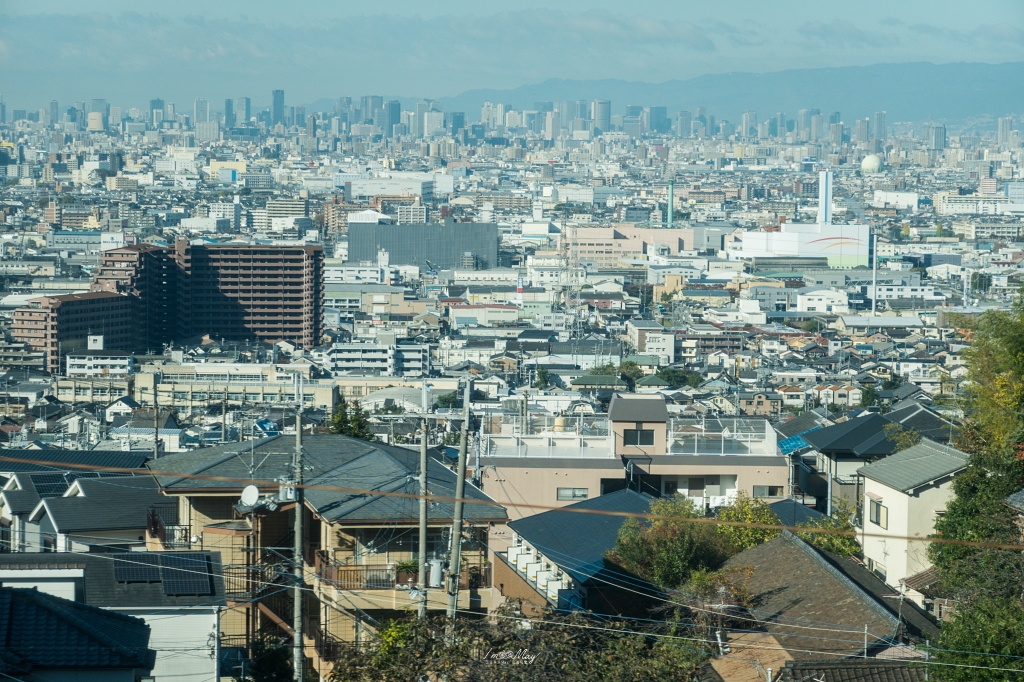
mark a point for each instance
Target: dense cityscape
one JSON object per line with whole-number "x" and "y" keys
{"x": 788, "y": 342}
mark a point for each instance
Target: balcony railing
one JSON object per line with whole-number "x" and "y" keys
{"x": 162, "y": 523}
{"x": 387, "y": 578}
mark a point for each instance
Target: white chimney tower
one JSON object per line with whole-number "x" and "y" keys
{"x": 825, "y": 197}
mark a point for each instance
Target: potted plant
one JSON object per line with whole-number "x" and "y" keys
{"x": 406, "y": 572}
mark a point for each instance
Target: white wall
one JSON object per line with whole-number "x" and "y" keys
{"x": 185, "y": 640}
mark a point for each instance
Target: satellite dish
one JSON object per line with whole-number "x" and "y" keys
{"x": 250, "y": 495}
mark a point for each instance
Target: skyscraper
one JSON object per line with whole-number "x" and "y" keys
{"x": 1005, "y": 130}
{"x": 243, "y": 109}
{"x": 937, "y": 138}
{"x": 817, "y": 126}
{"x": 229, "y": 113}
{"x": 862, "y": 131}
{"x": 683, "y": 120}
{"x": 880, "y": 131}
{"x": 201, "y": 111}
{"x": 748, "y": 124}
{"x": 659, "y": 120}
{"x": 54, "y": 112}
{"x": 277, "y": 108}
{"x": 601, "y": 113}
{"x": 392, "y": 116}
{"x": 300, "y": 116}
{"x": 834, "y": 117}
{"x": 835, "y": 134}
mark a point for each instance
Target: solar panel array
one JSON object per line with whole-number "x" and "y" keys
{"x": 186, "y": 573}
{"x": 56, "y": 484}
{"x": 137, "y": 567}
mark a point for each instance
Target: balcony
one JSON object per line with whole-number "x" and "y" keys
{"x": 385, "y": 577}
{"x": 162, "y": 524}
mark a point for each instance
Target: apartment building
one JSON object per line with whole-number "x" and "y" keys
{"x": 245, "y": 292}
{"x": 148, "y": 275}
{"x": 58, "y": 325}
{"x": 555, "y": 461}
{"x": 381, "y": 359}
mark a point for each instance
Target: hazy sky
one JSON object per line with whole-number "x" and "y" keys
{"x": 128, "y": 52}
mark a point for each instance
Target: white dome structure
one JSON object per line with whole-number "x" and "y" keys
{"x": 872, "y": 163}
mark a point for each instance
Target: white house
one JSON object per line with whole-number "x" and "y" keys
{"x": 903, "y": 495}
{"x": 823, "y": 301}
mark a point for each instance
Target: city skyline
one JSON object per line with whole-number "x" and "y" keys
{"x": 405, "y": 50}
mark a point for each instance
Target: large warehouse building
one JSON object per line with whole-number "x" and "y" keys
{"x": 446, "y": 245}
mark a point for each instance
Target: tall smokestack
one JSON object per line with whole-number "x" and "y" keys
{"x": 671, "y": 200}
{"x": 825, "y": 197}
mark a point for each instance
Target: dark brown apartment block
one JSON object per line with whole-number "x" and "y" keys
{"x": 58, "y": 325}
{"x": 250, "y": 292}
{"x": 148, "y": 274}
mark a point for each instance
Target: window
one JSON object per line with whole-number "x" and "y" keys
{"x": 767, "y": 491}
{"x": 638, "y": 437}
{"x": 573, "y": 493}
{"x": 671, "y": 487}
{"x": 878, "y": 513}
{"x": 876, "y": 568}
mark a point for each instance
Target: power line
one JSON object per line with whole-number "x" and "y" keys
{"x": 441, "y": 498}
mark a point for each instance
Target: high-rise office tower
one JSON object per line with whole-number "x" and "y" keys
{"x": 683, "y": 120}
{"x": 243, "y": 109}
{"x": 748, "y": 124}
{"x": 803, "y": 120}
{"x": 834, "y": 117}
{"x": 835, "y": 134}
{"x": 817, "y": 126}
{"x": 937, "y": 137}
{"x": 115, "y": 117}
{"x": 862, "y": 131}
{"x": 456, "y": 121}
{"x": 392, "y": 116}
{"x": 582, "y": 109}
{"x": 310, "y": 124}
{"x": 1004, "y": 131}
{"x": 156, "y": 105}
{"x": 659, "y": 120}
{"x": 201, "y": 111}
{"x": 229, "y": 113}
{"x": 370, "y": 104}
{"x": 601, "y": 113}
{"x": 880, "y": 131}
{"x": 300, "y": 116}
{"x": 700, "y": 114}
{"x": 780, "y": 124}
{"x": 169, "y": 113}
{"x": 277, "y": 108}
{"x": 54, "y": 112}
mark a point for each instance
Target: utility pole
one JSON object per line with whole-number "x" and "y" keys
{"x": 298, "y": 657}
{"x": 156, "y": 419}
{"x": 454, "y": 568}
{"x": 421, "y": 578}
{"x": 874, "y": 272}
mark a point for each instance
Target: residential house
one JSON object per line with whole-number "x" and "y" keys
{"x": 760, "y": 403}
{"x": 93, "y": 644}
{"x": 556, "y": 559}
{"x": 904, "y": 494}
{"x": 180, "y": 596}
{"x": 357, "y": 545}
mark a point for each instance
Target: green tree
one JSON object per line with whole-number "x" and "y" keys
{"x": 667, "y": 551}
{"x": 904, "y": 438}
{"x": 678, "y": 377}
{"x": 987, "y": 626}
{"x": 351, "y": 421}
{"x": 892, "y": 384}
{"x": 666, "y": 299}
{"x": 449, "y": 401}
{"x": 844, "y": 545}
{"x": 630, "y": 370}
{"x": 605, "y": 370}
{"x": 744, "y": 509}
{"x": 868, "y": 396}
{"x": 543, "y": 377}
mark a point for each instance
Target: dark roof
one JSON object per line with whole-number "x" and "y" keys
{"x": 854, "y": 670}
{"x": 911, "y": 414}
{"x": 116, "y": 503}
{"x": 860, "y": 437}
{"x": 330, "y": 461}
{"x": 792, "y": 513}
{"x": 1016, "y": 500}
{"x": 575, "y": 541}
{"x": 793, "y": 583}
{"x": 67, "y": 459}
{"x": 101, "y": 588}
{"x": 799, "y": 424}
{"x": 605, "y": 380}
{"x": 40, "y": 631}
{"x": 637, "y": 408}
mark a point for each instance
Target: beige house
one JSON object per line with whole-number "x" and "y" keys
{"x": 904, "y": 494}
{"x": 532, "y": 463}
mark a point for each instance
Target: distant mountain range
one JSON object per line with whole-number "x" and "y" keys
{"x": 915, "y": 91}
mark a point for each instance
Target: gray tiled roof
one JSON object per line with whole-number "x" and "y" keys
{"x": 43, "y": 631}
{"x": 116, "y": 503}
{"x": 917, "y": 466}
{"x": 870, "y": 670}
{"x": 334, "y": 461}
{"x": 69, "y": 458}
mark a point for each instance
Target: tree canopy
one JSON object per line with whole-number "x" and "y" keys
{"x": 352, "y": 421}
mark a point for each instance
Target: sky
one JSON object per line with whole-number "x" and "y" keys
{"x": 129, "y": 52}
